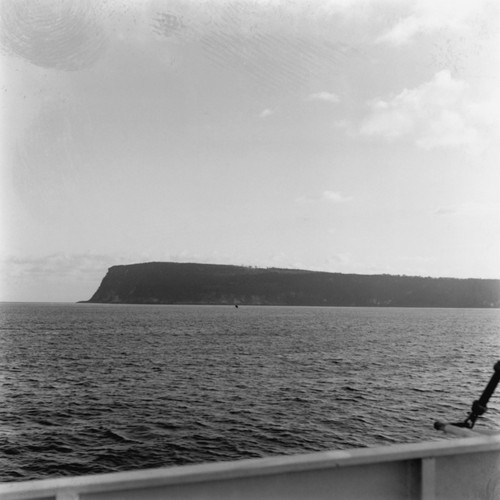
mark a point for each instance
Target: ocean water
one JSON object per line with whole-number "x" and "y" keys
{"x": 90, "y": 388}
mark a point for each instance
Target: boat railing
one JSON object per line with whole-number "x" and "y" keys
{"x": 464, "y": 468}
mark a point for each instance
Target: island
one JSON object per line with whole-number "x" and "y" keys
{"x": 190, "y": 283}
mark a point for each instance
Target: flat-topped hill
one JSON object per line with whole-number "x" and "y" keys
{"x": 177, "y": 283}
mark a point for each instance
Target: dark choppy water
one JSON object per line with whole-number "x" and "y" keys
{"x": 99, "y": 388}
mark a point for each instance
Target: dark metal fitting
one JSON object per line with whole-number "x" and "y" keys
{"x": 439, "y": 426}
{"x": 478, "y": 408}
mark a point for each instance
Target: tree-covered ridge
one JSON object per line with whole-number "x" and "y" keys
{"x": 176, "y": 283}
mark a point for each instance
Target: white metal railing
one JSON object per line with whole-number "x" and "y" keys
{"x": 455, "y": 469}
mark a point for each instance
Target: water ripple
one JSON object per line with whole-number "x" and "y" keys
{"x": 98, "y": 388}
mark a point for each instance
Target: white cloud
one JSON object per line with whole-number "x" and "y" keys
{"x": 56, "y": 277}
{"x": 335, "y": 197}
{"x": 403, "y": 31}
{"x": 469, "y": 209}
{"x": 448, "y": 210}
{"x": 326, "y": 197}
{"x": 427, "y": 16}
{"x": 445, "y": 112}
{"x": 81, "y": 266}
{"x": 266, "y": 112}
{"x": 324, "y": 96}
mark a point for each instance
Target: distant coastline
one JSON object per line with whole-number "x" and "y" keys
{"x": 213, "y": 284}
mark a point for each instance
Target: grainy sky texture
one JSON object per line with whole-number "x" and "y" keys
{"x": 338, "y": 135}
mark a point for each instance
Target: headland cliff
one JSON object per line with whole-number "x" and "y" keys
{"x": 180, "y": 283}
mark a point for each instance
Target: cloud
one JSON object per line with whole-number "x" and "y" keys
{"x": 334, "y": 197}
{"x": 81, "y": 266}
{"x": 266, "y": 113}
{"x": 403, "y": 31}
{"x": 324, "y": 96}
{"x": 53, "y": 278}
{"x": 427, "y": 16}
{"x": 469, "y": 209}
{"x": 442, "y": 113}
{"x": 445, "y": 211}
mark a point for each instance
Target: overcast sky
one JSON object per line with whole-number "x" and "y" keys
{"x": 347, "y": 136}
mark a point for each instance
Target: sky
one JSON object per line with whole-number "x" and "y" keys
{"x": 348, "y": 136}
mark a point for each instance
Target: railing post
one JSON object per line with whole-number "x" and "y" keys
{"x": 428, "y": 479}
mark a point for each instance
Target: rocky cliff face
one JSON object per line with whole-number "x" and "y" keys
{"x": 174, "y": 283}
